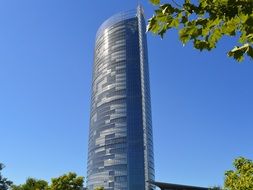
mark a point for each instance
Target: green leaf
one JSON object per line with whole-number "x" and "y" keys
{"x": 230, "y": 27}
{"x": 201, "y": 44}
{"x": 201, "y": 21}
{"x": 250, "y": 38}
{"x": 152, "y": 24}
{"x": 162, "y": 18}
{"x": 206, "y": 22}
{"x": 184, "y": 36}
{"x": 214, "y": 37}
{"x": 250, "y": 52}
{"x": 167, "y": 9}
{"x": 203, "y": 4}
{"x": 155, "y": 2}
{"x": 238, "y": 53}
{"x": 174, "y": 23}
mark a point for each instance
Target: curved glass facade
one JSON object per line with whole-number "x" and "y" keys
{"x": 120, "y": 155}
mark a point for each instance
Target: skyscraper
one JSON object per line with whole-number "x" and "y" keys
{"x": 120, "y": 155}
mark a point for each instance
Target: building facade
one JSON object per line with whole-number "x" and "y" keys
{"x": 120, "y": 152}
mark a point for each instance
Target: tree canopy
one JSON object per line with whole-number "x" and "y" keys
{"x": 205, "y": 22}
{"x": 32, "y": 184}
{"x": 68, "y": 181}
{"x": 242, "y": 177}
{"x": 4, "y": 182}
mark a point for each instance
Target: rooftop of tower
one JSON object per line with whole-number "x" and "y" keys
{"x": 117, "y": 18}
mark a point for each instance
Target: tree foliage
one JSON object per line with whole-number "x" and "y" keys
{"x": 99, "y": 188}
{"x": 68, "y": 181}
{"x": 242, "y": 177}
{"x": 4, "y": 182}
{"x": 205, "y": 22}
{"x": 32, "y": 184}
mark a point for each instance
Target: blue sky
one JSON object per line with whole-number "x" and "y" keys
{"x": 202, "y": 104}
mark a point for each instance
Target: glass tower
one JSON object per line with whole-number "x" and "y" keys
{"x": 120, "y": 155}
